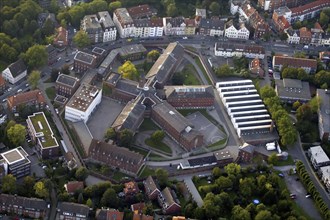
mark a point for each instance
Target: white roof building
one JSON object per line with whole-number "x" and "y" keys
{"x": 318, "y": 157}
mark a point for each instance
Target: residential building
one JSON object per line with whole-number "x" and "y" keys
{"x": 131, "y": 117}
{"x": 174, "y": 26}
{"x": 293, "y": 36}
{"x": 141, "y": 11}
{"x": 137, "y": 210}
{"x": 236, "y": 33}
{"x": 73, "y": 186}
{"x": 22, "y": 206}
{"x": 309, "y": 10}
{"x": 255, "y": 68}
{"x": 84, "y": 61}
{"x": 281, "y": 24}
{"x": 131, "y": 188}
{"x": 246, "y": 153}
{"x": 16, "y": 162}
{"x": 309, "y": 65}
{"x": 42, "y": 134}
{"x": 282, "y": 11}
{"x": 325, "y": 39}
{"x": 165, "y": 65}
{"x": 292, "y": 90}
{"x": 151, "y": 188}
{"x": 271, "y": 5}
{"x": 246, "y": 10}
{"x": 324, "y": 56}
{"x": 176, "y": 126}
{"x": 66, "y": 85}
{"x": 132, "y": 52}
{"x": 124, "y": 23}
{"x": 146, "y": 28}
{"x": 72, "y": 211}
{"x": 116, "y": 157}
{"x": 190, "y": 26}
{"x": 52, "y": 53}
{"x": 230, "y": 50}
{"x": 316, "y": 38}
{"x": 261, "y": 30}
{"x": 70, "y": 160}
{"x": 61, "y": 38}
{"x": 305, "y": 36}
{"x": 324, "y": 114}
{"x": 212, "y": 27}
{"x": 156, "y": 27}
{"x": 2, "y": 85}
{"x": 189, "y": 96}
{"x": 31, "y": 98}
{"x": 15, "y": 72}
{"x": 318, "y": 157}
{"x": 109, "y": 214}
{"x": 83, "y": 103}
{"x": 325, "y": 176}
{"x": 169, "y": 202}
{"x": 108, "y": 26}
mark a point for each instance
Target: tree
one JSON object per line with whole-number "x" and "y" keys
{"x": 48, "y": 28}
{"x": 272, "y": 159}
{"x": 16, "y": 134}
{"x": 41, "y": 190}
{"x": 81, "y": 173}
{"x": 296, "y": 105}
{"x": 224, "y": 71}
{"x": 216, "y": 172}
{"x": 178, "y": 78}
{"x": 153, "y": 55}
{"x": 114, "y": 5}
{"x": 238, "y": 213}
{"x": 224, "y": 182}
{"x": 125, "y": 138}
{"x": 81, "y": 39}
{"x": 162, "y": 176}
{"x": 215, "y": 8}
{"x": 324, "y": 19}
{"x": 314, "y": 103}
{"x": 28, "y": 184}
{"x": 65, "y": 69}
{"x": 304, "y": 112}
{"x": 80, "y": 198}
{"x": 110, "y": 134}
{"x": 34, "y": 78}
{"x": 263, "y": 214}
{"x": 8, "y": 184}
{"x": 247, "y": 186}
{"x": 54, "y": 74}
{"x": 158, "y": 136}
{"x": 36, "y": 56}
{"x": 89, "y": 203}
{"x": 110, "y": 199}
{"x": 267, "y": 92}
{"x": 233, "y": 169}
{"x": 128, "y": 71}
{"x": 171, "y": 10}
{"x": 299, "y": 54}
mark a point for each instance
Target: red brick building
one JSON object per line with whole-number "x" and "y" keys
{"x": 84, "y": 61}
{"x": 169, "y": 202}
{"x": 151, "y": 188}
{"x": 176, "y": 126}
{"x": 189, "y": 96}
{"x": 66, "y": 85}
{"x": 31, "y": 98}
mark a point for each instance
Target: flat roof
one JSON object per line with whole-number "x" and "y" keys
{"x": 42, "y": 130}
{"x": 14, "y": 155}
{"x": 67, "y": 80}
{"x": 318, "y": 154}
{"x": 132, "y": 49}
{"x": 83, "y": 97}
{"x": 84, "y": 57}
{"x": 324, "y": 110}
{"x": 295, "y": 89}
{"x": 325, "y": 172}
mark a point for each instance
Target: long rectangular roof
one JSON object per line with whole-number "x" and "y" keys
{"x": 83, "y": 97}
{"x": 324, "y": 110}
{"x": 318, "y": 154}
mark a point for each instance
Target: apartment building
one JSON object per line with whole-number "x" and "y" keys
{"x": 124, "y": 23}
{"x": 66, "y": 85}
{"x": 309, "y": 65}
{"x": 16, "y": 162}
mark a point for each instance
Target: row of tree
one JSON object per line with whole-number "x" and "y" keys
{"x": 281, "y": 117}
{"x": 233, "y": 194}
{"x": 309, "y": 185}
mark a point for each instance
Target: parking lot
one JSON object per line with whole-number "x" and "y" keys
{"x": 211, "y": 133}
{"x": 103, "y": 117}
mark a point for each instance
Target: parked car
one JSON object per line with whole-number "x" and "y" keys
{"x": 20, "y": 90}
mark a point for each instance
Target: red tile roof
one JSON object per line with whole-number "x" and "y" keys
{"x": 295, "y": 62}
{"x": 304, "y": 32}
{"x": 131, "y": 188}
{"x": 26, "y": 97}
{"x": 315, "y": 5}
{"x": 137, "y": 216}
{"x": 2, "y": 81}
{"x": 61, "y": 38}
{"x": 73, "y": 186}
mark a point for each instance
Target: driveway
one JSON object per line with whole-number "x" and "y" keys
{"x": 192, "y": 188}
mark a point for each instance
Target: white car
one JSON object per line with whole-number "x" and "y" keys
{"x": 9, "y": 89}
{"x": 56, "y": 110}
{"x": 27, "y": 84}
{"x": 20, "y": 90}
{"x": 4, "y": 100}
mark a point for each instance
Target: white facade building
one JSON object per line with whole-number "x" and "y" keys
{"x": 124, "y": 23}
{"x": 243, "y": 33}
{"x": 318, "y": 157}
{"x": 15, "y": 72}
{"x": 148, "y": 27}
{"x": 231, "y": 32}
{"x": 293, "y": 37}
{"x": 174, "y": 26}
{"x": 108, "y": 26}
{"x": 82, "y": 103}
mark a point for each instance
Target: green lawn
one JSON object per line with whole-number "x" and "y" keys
{"x": 289, "y": 161}
{"x": 198, "y": 62}
{"x": 51, "y": 93}
{"x": 190, "y": 77}
{"x": 119, "y": 175}
{"x": 138, "y": 150}
{"x": 159, "y": 146}
{"x": 146, "y": 171}
{"x": 148, "y": 125}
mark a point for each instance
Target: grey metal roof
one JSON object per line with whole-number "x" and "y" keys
{"x": 67, "y": 80}
{"x": 26, "y": 203}
{"x": 84, "y": 57}
{"x": 17, "y": 68}
{"x": 132, "y": 49}
{"x": 298, "y": 89}
{"x": 75, "y": 208}
{"x": 212, "y": 24}
{"x": 195, "y": 91}
{"x": 128, "y": 86}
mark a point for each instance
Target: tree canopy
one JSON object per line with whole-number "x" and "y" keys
{"x": 81, "y": 39}
{"x": 16, "y": 134}
{"x": 36, "y": 56}
{"x": 34, "y": 78}
{"x": 128, "y": 71}
{"x": 8, "y": 184}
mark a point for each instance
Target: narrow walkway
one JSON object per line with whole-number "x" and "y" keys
{"x": 200, "y": 73}
{"x": 192, "y": 189}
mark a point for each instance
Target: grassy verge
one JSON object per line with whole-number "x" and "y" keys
{"x": 190, "y": 78}
{"x": 158, "y": 146}
{"x": 51, "y": 93}
{"x": 148, "y": 125}
{"x": 146, "y": 171}
{"x": 289, "y": 161}
{"x": 220, "y": 142}
{"x": 138, "y": 150}
{"x": 198, "y": 62}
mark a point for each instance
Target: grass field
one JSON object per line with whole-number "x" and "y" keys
{"x": 51, "y": 93}
{"x": 159, "y": 146}
{"x": 148, "y": 125}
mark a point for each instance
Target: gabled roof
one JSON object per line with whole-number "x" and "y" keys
{"x": 73, "y": 208}
{"x": 67, "y": 80}
{"x": 109, "y": 214}
{"x": 312, "y": 6}
{"x": 72, "y": 186}
{"x": 150, "y": 185}
{"x": 304, "y": 32}
{"x": 112, "y": 155}
{"x": 131, "y": 188}
{"x": 295, "y": 62}
{"x": 169, "y": 197}
{"x": 247, "y": 148}
{"x": 17, "y": 68}
{"x": 26, "y": 97}
{"x": 26, "y": 203}
{"x": 196, "y": 91}
{"x": 140, "y": 11}
{"x": 216, "y": 24}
